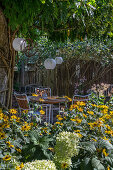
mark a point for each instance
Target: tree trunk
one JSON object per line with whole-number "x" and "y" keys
{"x": 7, "y": 62}
{"x": 4, "y": 53}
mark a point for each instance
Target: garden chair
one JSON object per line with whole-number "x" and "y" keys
{"x": 43, "y": 91}
{"x": 30, "y": 88}
{"x": 23, "y": 104}
{"x": 83, "y": 98}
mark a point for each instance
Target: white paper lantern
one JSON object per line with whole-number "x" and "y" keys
{"x": 50, "y": 63}
{"x": 19, "y": 44}
{"x": 59, "y": 60}
{"x": 15, "y": 68}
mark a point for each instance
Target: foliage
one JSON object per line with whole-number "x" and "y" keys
{"x": 92, "y": 121}
{"x": 24, "y": 139}
{"x": 60, "y": 19}
{"x": 14, "y": 135}
{"x": 100, "y": 51}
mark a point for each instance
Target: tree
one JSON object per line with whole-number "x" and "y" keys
{"x": 59, "y": 19}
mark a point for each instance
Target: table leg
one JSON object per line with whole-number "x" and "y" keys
{"x": 46, "y": 113}
{"x": 49, "y": 112}
{"x": 52, "y": 112}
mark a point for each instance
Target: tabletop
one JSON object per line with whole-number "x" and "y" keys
{"x": 48, "y": 100}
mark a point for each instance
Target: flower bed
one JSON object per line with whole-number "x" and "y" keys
{"x": 82, "y": 138}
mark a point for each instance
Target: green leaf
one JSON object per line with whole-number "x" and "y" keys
{"x": 96, "y": 164}
{"x": 89, "y": 147}
{"x": 86, "y": 164}
{"x": 109, "y": 160}
{"x": 106, "y": 144}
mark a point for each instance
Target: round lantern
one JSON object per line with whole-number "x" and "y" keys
{"x": 19, "y": 44}
{"x": 59, "y": 60}
{"x": 50, "y": 63}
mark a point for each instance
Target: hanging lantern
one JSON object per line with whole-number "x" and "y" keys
{"x": 19, "y": 44}
{"x": 49, "y": 63}
{"x": 15, "y": 68}
{"x": 59, "y": 60}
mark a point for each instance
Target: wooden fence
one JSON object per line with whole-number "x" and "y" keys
{"x": 63, "y": 78}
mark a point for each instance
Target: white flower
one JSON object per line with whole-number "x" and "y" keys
{"x": 40, "y": 165}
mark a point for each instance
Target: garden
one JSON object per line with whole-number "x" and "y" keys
{"x": 81, "y": 138}
{"x": 56, "y": 85}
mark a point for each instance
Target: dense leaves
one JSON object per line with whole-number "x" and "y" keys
{"x": 61, "y": 19}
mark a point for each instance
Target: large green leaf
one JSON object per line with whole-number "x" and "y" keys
{"x": 106, "y": 144}
{"x": 86, "y": 164}
{"x": 109, "y": 160}
{"x": 97, "y": 164}
{"x": 89, "y": 147}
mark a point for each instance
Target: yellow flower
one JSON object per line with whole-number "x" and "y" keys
{"x": 85, "y": 115}
{"x": 74, "y": 106}
{"x": 92, "y": 125}
{"x": 78, "y": 120}
{"x": 2, "y": 135}
{"x": 13, "y": 111}
{"x": 6, "y": 118}
{"x": 20, "y": 167}
{"x": 90, "y": 112}
{"x": 11, "y": 146}
{"x": 31, "y": 124}
{"x": 13, "y": 117}
{"x": 18, "y": 149}
{"x": 64, "y": 165}
{"x": 7, "y": 158}
{"x": 108, "y": 127}
{"x": 111, "y": 112}
{"x": 94, "y": 105}
{"x": 25, "y": 127}
{"x": 41, "y": 100}
{"x": 1, "y": 116}
{"x": 60, "y": 118}
{"x": 42, "y": 112}
{"x": 80, "y": 109}
{"x": 51, "y": 149}
{"x": 79, "y": 135}
{"x": 25, "y": 111}
{"x": 94, "y": 139}
{"x": 64, "y": 117}
{"x": 61, "y": 124}
{"x": 26, "y": 135}
{"x": 104, "y": 152}
{"x": 106, "y": 138}
{"x": 110, "y": 132}
{"x": 104, "y": 111}
{"x": 73, "y": 120}
{"x": 108, "y": 168}
{"x": 107, "y": 116}
{"x": 76, "y": 130}
{"x": 17, "y": 119}
{"x": 8, "y": 142}
{"x": 58, "y": 123}
{"x": 7, "y": 126}
{"x": 81, "y": 103}
{"x": 34, "y": 94}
